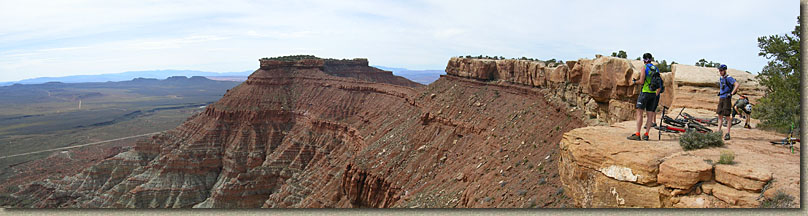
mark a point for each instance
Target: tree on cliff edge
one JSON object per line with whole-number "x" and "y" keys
{"x": 620, "y": 54}
{"x": 780, "y": 106}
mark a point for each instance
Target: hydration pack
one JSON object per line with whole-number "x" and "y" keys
{"x": 656, "y": 80}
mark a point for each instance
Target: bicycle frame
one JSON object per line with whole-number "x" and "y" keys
{"x": 681, "y": 125}
{"x": 790, "y": 140}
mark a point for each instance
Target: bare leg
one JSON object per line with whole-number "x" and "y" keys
{"x": 720, "y": 123}
{"x": 651, "y": 117}
{"x": 748, "y": 116}
{"x": 639, "y": 120}
{"x": 729, "y": 123}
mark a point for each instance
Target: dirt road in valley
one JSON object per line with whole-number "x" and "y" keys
{"x": 82, "y": 145}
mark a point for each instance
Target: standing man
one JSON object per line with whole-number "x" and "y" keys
{"x": 727, "y": 87}
{"x": 647, "y": 100}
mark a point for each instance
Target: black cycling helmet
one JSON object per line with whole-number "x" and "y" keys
{"x": 722, "y": 67}
{"x": 647, "y": 57}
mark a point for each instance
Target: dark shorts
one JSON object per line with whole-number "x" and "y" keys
{"x": 647, "y": 101}
{"x": 724, "y": 106}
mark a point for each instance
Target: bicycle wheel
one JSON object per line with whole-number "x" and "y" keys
{"x": 713, "y": 122}
{"x": 784, "y": 141}
{"x": 699, "y": 127}
{"x": 687, "y": 116}
{"x": 674, "y": 122}
{"x": 666, "y": 129}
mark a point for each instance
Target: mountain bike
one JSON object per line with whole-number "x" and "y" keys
{"x": 712, "y": 121}
{"x": 679, "y": 125}
{"x": 788, "y": 141}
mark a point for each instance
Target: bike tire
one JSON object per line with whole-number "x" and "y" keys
{"x": 666, "y": 129}
{"x": 674, "y": 122}
{"x": 699, "y": 127}
{"x": 687, "y": 116}
{"x": 714, "y": 122}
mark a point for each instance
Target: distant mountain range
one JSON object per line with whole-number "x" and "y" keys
{"x": 421, "y": 76}
{"x": 157, "y": 74}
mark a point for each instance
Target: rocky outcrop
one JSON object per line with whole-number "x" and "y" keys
{"x": 682, "y": 172}
{"x": 742, "y": 177}
{"x": 364, "y": 189}
{"x": 356, "y": 68}
{"x": 697, "y": 87}
{"x": 602, "y": 87}
{"x": 600, "y": 168}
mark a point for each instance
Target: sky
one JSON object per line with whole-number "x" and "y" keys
{"x": 61, "y": 38}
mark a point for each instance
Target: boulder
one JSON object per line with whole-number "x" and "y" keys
{"x": 621, "y": 110}
{"x": 697, "y": 86}
{"x": 482, "y": 69}
{"x": 698, "y": 201}
{"x": 608, "y": 78}
{"x": 735, "y": 197}
{"x": 708, "y": 76}
{"x": 558, "y": 74}
{"x": 592, "y": 189}
{"x": 613, "y": 155}
{"x": 684, "y": 171}
{"x": 742, "y": 177}
{"x": 667, "y": 97}
{"x": 591, "y": 108}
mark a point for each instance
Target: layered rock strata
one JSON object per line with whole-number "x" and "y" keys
{"x": 601, "y": 87}
{"x": 697, "y": 87}
{"x": 356, "y": 68}
{"x": 601, "y": 169}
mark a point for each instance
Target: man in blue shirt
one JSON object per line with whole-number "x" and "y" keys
{"x": 727, "y": 87}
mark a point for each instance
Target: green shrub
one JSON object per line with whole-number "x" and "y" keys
{"x": 291, "y": 57}
{"x": 694, "y": 140}
{"x": 727, "y": 157}
{"x": 779, "y": 108}
{"x": 780, "y": 200}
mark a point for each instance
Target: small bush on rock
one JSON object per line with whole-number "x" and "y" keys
{"x": 780, "y": 200}
{"x": 727, "y": 157}
{"x": 694, "y": 140}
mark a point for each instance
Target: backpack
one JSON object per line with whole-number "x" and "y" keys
{"x": 656, "y": 80}
{"x": 724, "y": 84}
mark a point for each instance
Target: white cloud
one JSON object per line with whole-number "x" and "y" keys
{"x": 58, "y": 38}
{"x": 448, "y": 33}
{"x": 172, "y": 43}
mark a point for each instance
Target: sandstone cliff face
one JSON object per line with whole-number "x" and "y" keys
{"x": 356, "y": 68}
{"x": 601, "y": 87}
{"x": 310, "y": 134}
{"x": 698, "y": 86}
{"x": 601, "y": 169}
